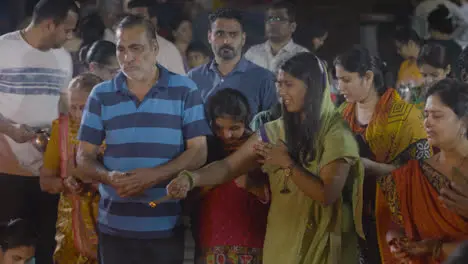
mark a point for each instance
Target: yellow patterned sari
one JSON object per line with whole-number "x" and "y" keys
{"x": 394, "y": 135}
{"x": 76, "y": 224}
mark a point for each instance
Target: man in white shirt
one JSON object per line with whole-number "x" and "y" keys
{"x": 33, "y": 71}
{"x": 168, "y": 55}
{"x": 458, "y": 13}
{"x": 280, "y": 25}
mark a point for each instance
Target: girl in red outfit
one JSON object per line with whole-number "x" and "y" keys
{"x": 232, "y": 216}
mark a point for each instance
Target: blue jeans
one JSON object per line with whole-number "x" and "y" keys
{"x": 120, "y": 250}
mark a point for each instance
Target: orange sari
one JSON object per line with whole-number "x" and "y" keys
{"x": 412, "y": 195}
{"x": 394, "y": 135}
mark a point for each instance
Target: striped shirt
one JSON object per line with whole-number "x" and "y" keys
{"x": 142, "y": 134}
{"x": 31, "y": 81}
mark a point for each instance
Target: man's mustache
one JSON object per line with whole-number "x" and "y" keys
{"x": 227, "y": 47}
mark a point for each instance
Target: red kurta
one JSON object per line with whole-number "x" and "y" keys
{"x": 232, "y": 216}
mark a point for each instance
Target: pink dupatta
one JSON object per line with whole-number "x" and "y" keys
{"x": 84, "y": 232}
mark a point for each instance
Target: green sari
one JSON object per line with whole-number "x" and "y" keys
{"x": 301, "y": 230}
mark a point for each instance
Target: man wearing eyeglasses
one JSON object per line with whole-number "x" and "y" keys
{"x": 280, "y": 25}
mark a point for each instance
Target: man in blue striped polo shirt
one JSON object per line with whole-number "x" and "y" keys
{"x": 153, "y": 124}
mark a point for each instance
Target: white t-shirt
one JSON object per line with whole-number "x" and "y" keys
{"x": 424, "y": 9}
{"x": 262, "y": 56}
{"x": 30, "y": 85}
{"x": 169, "y": 56}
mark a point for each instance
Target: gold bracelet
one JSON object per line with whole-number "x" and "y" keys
{"x": 189, "y": 175}
{"x": 437, "y": 250}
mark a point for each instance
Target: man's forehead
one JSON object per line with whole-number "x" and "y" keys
{"x": 71, "y": 19}
{"x": 226, "y": 24}
{"x": 277, "y": 12}
{"x": 135, "y": 34}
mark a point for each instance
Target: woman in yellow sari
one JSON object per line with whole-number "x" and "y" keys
{"x": 389, "y": 132}
{"x": 425, "y": 230}
{"x": 315, "y": 174}
{"x": 76, "y": 234}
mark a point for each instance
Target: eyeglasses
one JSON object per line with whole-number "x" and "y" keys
{"x": 278, "y": 19}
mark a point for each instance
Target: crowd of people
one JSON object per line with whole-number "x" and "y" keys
{"x": 112, "y": 136}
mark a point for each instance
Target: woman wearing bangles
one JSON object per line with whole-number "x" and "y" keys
{"x": 425, "y": 230}
{"x": 312, "y": 161}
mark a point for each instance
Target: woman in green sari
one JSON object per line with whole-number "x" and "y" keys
{"x": 312, "y": 161}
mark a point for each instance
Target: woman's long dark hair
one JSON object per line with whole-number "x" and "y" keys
{"x": 302, "y": 128}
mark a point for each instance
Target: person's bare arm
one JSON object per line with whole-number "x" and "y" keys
{"x": 377, "y": 169}
{"x": 19, "y": 133}
{"x": 237, "y": 164}
{"x": 139, "y": 180}
{"x": 191, "y": 159}
{"x": 50, "y": 181}
{"x": 6, "y": 126}
{"x": 325, "y": 187}
{"x": 88, "y": 165}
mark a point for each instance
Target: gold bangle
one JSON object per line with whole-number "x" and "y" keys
{"x": 189, "y": 175}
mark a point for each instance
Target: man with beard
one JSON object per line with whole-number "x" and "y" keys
{"x": 229, "y": 69}
{"x": 33, "y": 71}
{"x": 280, "y": 24}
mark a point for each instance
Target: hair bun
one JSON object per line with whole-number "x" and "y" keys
{"x": 83, "y": 53}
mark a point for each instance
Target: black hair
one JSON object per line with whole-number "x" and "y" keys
{"x": 139, "y": 3}
{"x": 100, "y": 52}
{"x": 85, "y": 82}
{"x": 434, "y": 55}
{"x": 316, "y": 30}
{"x": 460, "y": 255}
{"x": 57, "y": 10}
{"x": 17, "y": 233}
{"x": 229, "y": 102}
{"x": 462, "y": 65}
{"x": 175, "y": 24}
{"x": 130, "y": 21}
{"x": 226, "y": 13}
{"x": 406, "y": 34}
{"x": 198, "y": 46}
{"x": 90, "y": 29}
{"x": 177, "y": 21}
{"x": 358, "y": 59}
{"x": 454, "y": 94}
{"x": 290, "y": 9}
{"x": 440, "y": 20}
{"x": 302, "y": 128}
